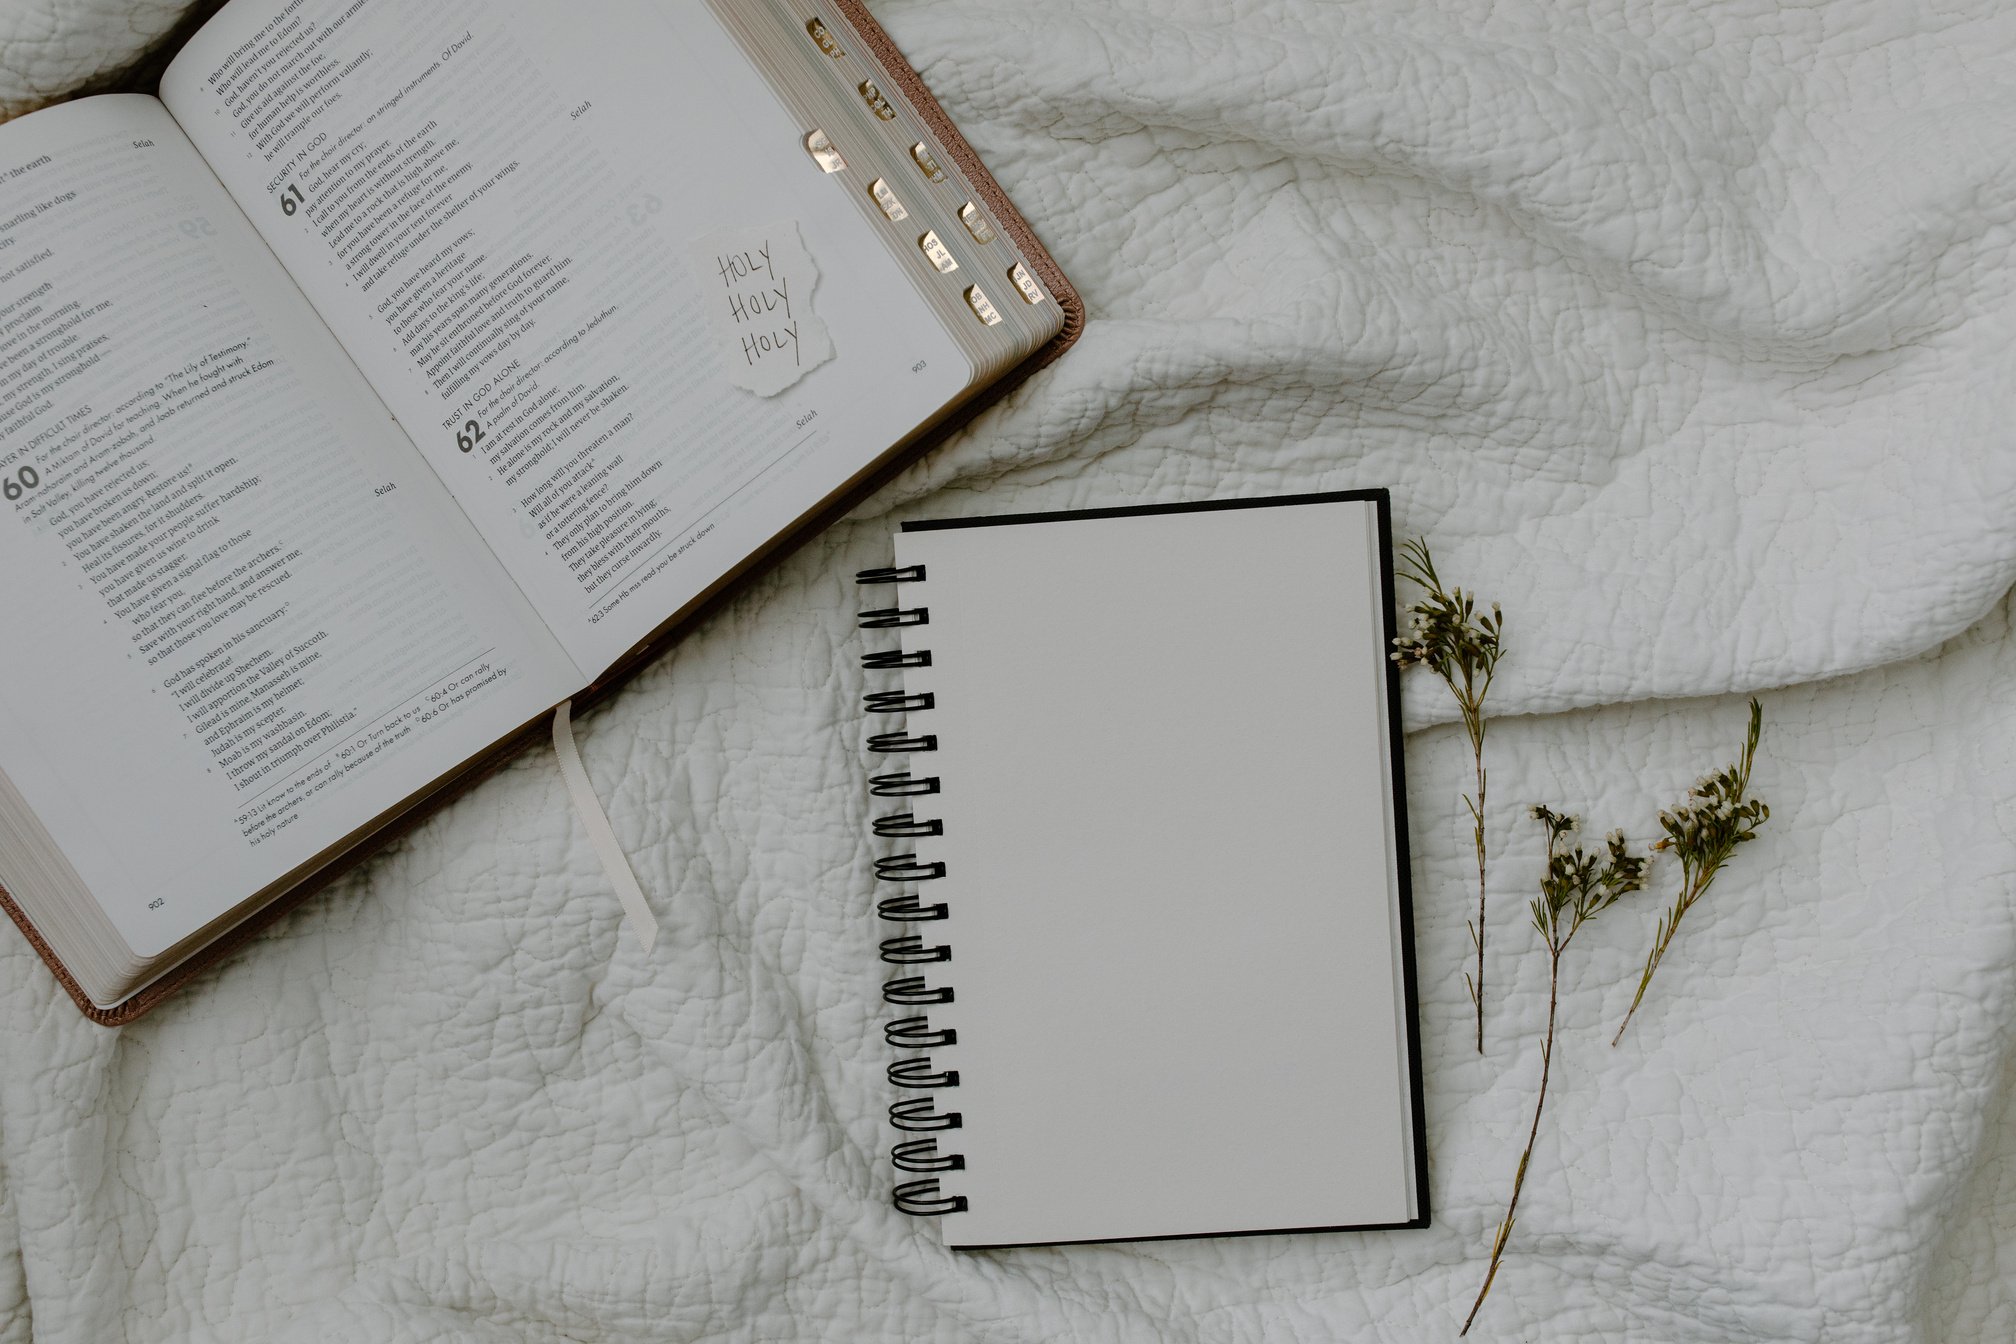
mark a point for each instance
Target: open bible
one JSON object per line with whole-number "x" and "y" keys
{"x": 406, "y": 369}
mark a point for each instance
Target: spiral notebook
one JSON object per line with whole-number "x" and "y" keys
{"x": 1143, "y": 858}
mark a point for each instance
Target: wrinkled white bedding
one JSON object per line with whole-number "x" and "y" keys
{"x": 1682, "y": 330}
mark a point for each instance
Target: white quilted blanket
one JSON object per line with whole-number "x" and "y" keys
{"x": 1683, "y": 329}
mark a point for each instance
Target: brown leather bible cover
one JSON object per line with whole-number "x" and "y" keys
{"x": 392, "y": 825}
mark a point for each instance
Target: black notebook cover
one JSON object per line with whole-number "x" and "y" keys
{"x": 1145, "y": 895}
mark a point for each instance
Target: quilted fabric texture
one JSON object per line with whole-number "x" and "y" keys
{"x": 49, "y": 47}
{"x": 1682, "y": 329}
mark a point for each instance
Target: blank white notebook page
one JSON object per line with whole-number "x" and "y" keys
{"x": 1169, "y": 839}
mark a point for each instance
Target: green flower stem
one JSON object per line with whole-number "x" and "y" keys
{"x": 1704, "y": 831}
{"x": 1475, "y": 723}
{"x": 1532, "y": 1137}
{"x": 1578, "y": 886}
{"x": 1447, "y": 636}
{"x": 1669, "y": 924}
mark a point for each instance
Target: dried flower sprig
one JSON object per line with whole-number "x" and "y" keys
{"x": 1447, "y": 636}
{"x": 1703, "y": 831}
{"x": 1579, "y": 885}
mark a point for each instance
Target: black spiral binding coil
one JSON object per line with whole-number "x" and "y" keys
{"x": 914, "y": 1113}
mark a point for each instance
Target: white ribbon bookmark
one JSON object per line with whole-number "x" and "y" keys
{"x": 638, "y": 917}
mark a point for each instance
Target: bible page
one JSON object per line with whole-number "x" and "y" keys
{"x": 241, "y": 617}
{"x": 517, "y": 217}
